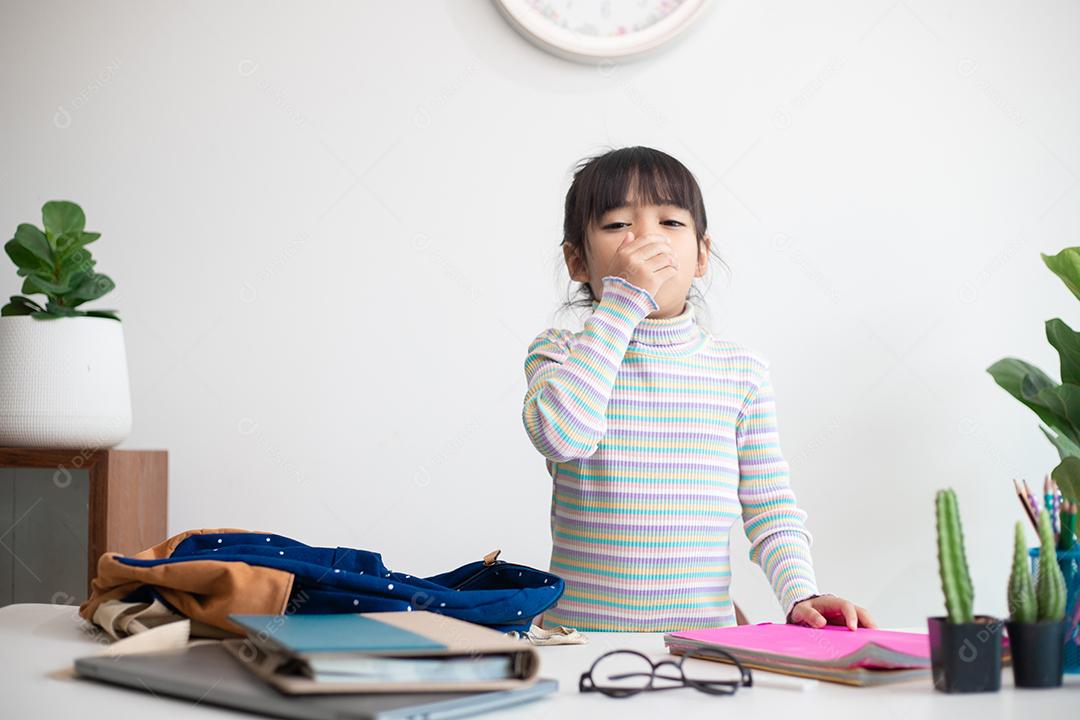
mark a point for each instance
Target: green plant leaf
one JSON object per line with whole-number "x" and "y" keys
{"x": 1066, "y": 265}
{"x": 1064, "y": 445}
{"x": 1064, "y": 402}
{"x": 76, "y": 260}
{"x": 111, "y": 314}
{"x": 34, "y": 240}
{"x": 44, "y": 315}
{"x": 29, "y": 288}
{"x": 1067, "y": 342}
{"x": 1016, "y": 376}
{"x": 23, "y": 258}
{"x": 11, "y": 310}
{"x": 84, "y": 238}
{"x": 1067, "y": 477}
{"x": 62, "y": 218}
{"x": 92, "y": 287}
{"x": 61, "y": 310}
{"x": 48, "y": 286}
{"x": 19, "y": 305}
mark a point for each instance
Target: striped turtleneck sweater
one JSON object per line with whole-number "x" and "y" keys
{"x": 658, "y": 436}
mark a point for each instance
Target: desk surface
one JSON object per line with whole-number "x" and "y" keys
{"x": 39, "y": 642}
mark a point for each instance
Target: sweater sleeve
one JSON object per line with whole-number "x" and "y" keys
{"x": 774, "y": 524}
{"x": 570, "y": 377}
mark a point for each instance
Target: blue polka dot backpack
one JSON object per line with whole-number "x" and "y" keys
{"x": 208, "y": 574}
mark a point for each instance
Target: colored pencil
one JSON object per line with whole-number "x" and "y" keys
{"x": 1067, "y": 537}
{"x": 1032, "y": 500}
{"x": 1026, "y": 505}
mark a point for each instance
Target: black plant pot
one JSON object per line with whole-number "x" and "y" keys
{"x": 1037, "y": 653}
{"x": 966, "y": 657}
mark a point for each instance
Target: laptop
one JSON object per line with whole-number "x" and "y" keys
{"x": 207, "y": 673}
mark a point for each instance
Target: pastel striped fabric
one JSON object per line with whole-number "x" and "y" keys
{"x": 658, "y": 437}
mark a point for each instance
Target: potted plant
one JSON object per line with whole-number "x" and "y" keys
{"x": 63, "y": 369}
{"x": 1057, "y": 405}
{"x": 965, "y": 650}
{"x": 1036, "y": 622}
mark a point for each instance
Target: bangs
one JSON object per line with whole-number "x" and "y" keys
{"x": 630, "y": 176}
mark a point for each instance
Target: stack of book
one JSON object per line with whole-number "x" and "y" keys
{"x": 381, "y": 652}
{"x": 854, "y": 657}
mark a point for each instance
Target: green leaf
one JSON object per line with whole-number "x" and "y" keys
{"x": 1067, "y": 477}
{"x": 68, "y": 242}
{"x": 43, "y": 315}
{"x": 1016, "y": 377}
{"x": 23, "y": 258}
{"x": 29, "y": 288}
{"x": 11, "y": 309}
{"x": 1066, "y": 265}
{"x": 1064, "y": 402}
{"x": 61, "y": 310}
{"x": 92, "y": 287}
{"x": 1064, "y": 445}
{"x": 1067, "y": 342}
{"x": 48, "y": 286}
{"x": 77, "y": 278}
{"x": 34, "y": 240}
{"x": 77, "y": 259}
{"x": 111, "y": 314}
{"x": 62, "y": 218}
{"x": 19, "y": 306}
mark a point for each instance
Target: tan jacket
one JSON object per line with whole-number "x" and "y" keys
{"x": 203, "y": 590}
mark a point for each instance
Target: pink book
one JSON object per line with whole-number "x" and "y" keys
{"x": 832, "y": 647}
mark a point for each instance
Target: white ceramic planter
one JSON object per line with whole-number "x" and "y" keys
{"x": 63, "y": 383}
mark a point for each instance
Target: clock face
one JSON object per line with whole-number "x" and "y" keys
{"x": 591, "y": 30}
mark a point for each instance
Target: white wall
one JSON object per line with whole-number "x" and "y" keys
{"x": 334, "y": 230}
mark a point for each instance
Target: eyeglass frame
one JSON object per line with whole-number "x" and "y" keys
{"x": 717, "y": 687}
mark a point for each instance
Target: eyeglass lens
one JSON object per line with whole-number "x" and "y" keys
{"x": 711, "y": 671}
{"x": 622, "y": 671}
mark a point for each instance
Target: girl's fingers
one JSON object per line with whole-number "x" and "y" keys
{"x": 832, "y": 609}
{"x": 661, "y": 261}
{"x": 653, "y": 249}
{"x": 851, "y": 617}
{"x": 864, "y": 618}
{"x": 806, "y": 614}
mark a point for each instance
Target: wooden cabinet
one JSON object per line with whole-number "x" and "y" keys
{"x": 61, "y": 509}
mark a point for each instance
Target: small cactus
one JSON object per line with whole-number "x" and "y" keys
{"x": 1050, "y": 585}
{"x": 1023, "y": 608}
{"x": 952, "y": 561}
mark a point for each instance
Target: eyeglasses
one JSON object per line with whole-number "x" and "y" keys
{"x": 622, "y": 673}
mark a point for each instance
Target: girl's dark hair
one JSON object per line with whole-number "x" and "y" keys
{"x": 604, "y": 182}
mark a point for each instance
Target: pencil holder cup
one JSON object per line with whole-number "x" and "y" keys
{"x": 1069, "y": 562}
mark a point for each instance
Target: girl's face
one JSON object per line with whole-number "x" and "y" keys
{"x": 604, "y": 237}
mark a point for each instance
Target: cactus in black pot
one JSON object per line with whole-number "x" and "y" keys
{"x": 1036, "y": 623}
{"x": 965, "y": 649}
{"x": 952, "y": 560}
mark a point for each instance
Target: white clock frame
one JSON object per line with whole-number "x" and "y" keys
{"x": 570, "y": 45}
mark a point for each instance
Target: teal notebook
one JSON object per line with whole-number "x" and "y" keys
{"x": 380, "y": 652}
{"x": 349, "y": 633}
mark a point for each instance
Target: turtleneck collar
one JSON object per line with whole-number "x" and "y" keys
{"x": 676, "y": 330}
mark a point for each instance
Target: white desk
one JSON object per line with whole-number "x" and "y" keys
{"x": 38, "y": 643}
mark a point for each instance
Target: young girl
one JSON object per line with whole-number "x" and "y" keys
{"x": 658, "y": 435}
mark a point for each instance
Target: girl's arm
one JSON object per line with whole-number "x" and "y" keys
{"x": 775, "y": 526}
{"x": 570, "y": 379}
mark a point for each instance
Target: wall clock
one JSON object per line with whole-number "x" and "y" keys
{"x": 599, "y": 30}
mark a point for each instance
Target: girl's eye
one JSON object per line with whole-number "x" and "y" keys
{"x": 615, "y": 226}
{"x": 674, "y": 223}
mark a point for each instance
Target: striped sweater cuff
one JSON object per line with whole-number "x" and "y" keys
{"x": 784, "y": 556}
{"x": 623, "y": 305}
